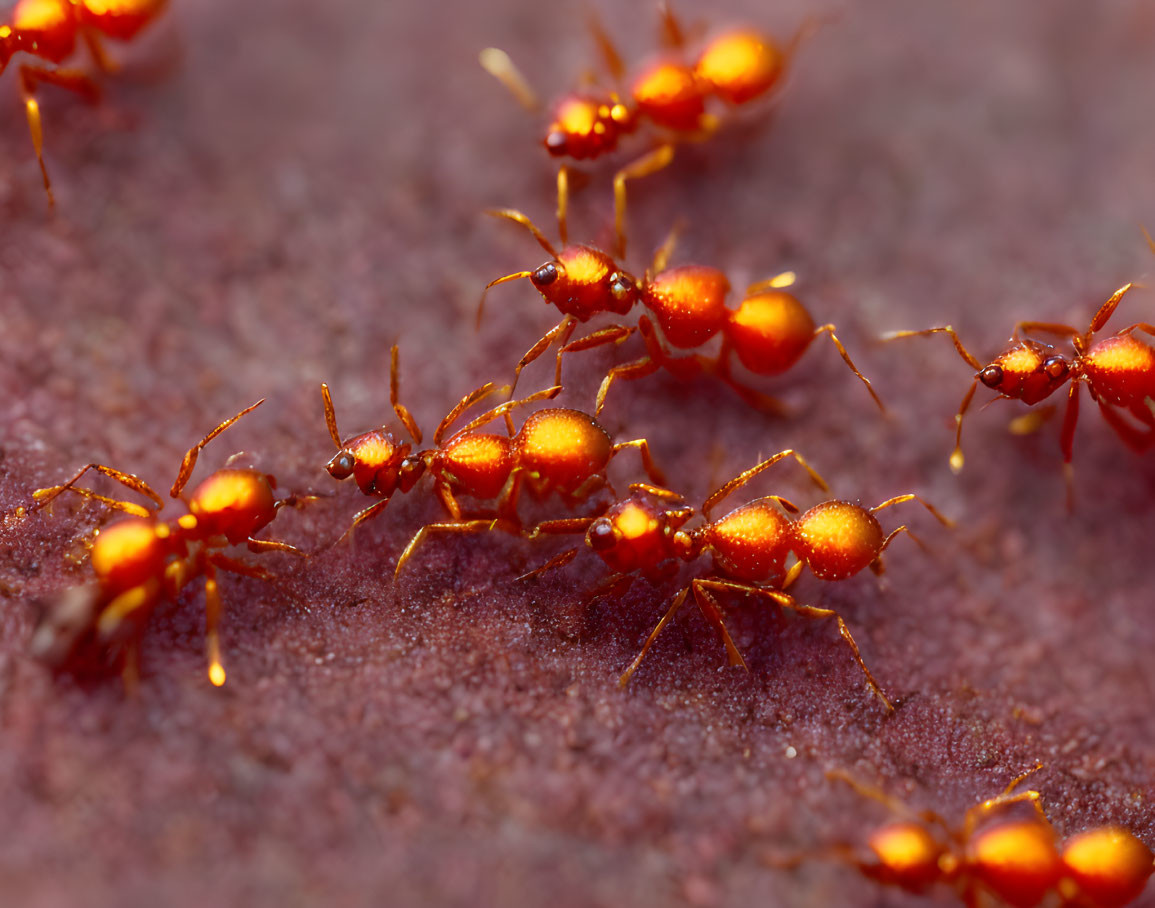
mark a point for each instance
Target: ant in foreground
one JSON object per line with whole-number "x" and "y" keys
{"x": 1119, "y": 371}
{"x": 768, "y": 332}
{"x": 645, "y": 534}
{"x": 556, "y": 450}
{"x": 48, "y": 30}
{"x": 143, "y": 559}
{"x": 1016, "y": 860}
{"x": 736, "y": 67}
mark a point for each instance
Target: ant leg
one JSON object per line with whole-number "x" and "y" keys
{"x": 666, "y": 618}
{"x": 1108, "y": 308}
{"x": 648, "y": 464}
{"x": 1067, "y": 441}
{"x": 190, "y": 457}
{"x": 68, "y": 79}
{"x": 241, "y": 568}
{"x": 609, "y": 52}
{"x": 778, "y": 282}
{"x": 565, "y": 526}
{"x": 464, "y": 404}
{"x": 657, "y": 492}
{"x": 662, "y": 253}
{"x": 212, "y": 620}
{"x": 558, "y": 561}
{"x": 559, "y": 333}
{"x": 978, "y": 813}
{"x": 948, "y": 330}
{"x": 956, "y": 456}
{"x": 763, "y": 403}
{"x": 639, "y": 368}
{"x": 130, "y": 672}
{"x": 563, "y": 204}
{"x": 361, "y": 516}
{"x": 910, "y": 496}
{"x": 1043, "y": 327}
{"x": 499, "y": 65}
{"x": 1030, "y": 422}
{"x": 502, "y": 409}
{"x": 612, "y": 334}
{"x": 99, "y": 55}
{"x": 1138, "y": 440}
{"x": 469, "y": 526}
{"x": 644, "y": 166}
{"x": 744, "y": 477}
{"x": 829, "y": 329}
{"x": 399, "y": 408}
{"x": 712, "y": 612}
{"x": 272, "y": 545}
{"x": 673, "y": 35}
{"x": 44, "y": 496}
{"x": 810, "y": 611}
{"x": 330, "y": 415}
{"x": 512, "y": 214}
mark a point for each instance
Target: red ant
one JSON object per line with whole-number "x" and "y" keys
{"x": 1119, "y": 371}
{"x": 142, "y": 559}
{"x": 768, "y": 332}
{"x": 48, "y": 29}
{"x": 1017, "y": 860}
{"x": 736, "y": 67}
{"x": 644, "y": 534}
{"x": 557, "y": 449}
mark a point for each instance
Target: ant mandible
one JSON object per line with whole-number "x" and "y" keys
{"x": 735, "y": 67}
{"x": 644, "y": 534}
{"x": 143, "y": 559}
{"x": 1017, "y": 860}
{"x": 1119, "y": 372}
{"x": 768, "y": 332}
{"x": 557, "y": 449}
{"x": 48, "y": 30}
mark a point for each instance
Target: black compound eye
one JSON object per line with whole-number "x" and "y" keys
{"x": 545, "y": 275}
{"x": 341, "y": 466}
{"x": 601, "y": 535}
{"x": 556, "y": 142}
{"x": 992, "y": 376}
{"x": 1056, "y": 366}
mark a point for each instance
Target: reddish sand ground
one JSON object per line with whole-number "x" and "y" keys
{"x": 301, "y": 191}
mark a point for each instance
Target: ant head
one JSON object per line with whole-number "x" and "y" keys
{"x": 376, "y": 462}
{"x": 584, "y": 281}
{"x": 586, "y": 126}
{"x": 636, "y": 534}
{"x": 1028, "y": 371}
{"x": 7, "y": 46}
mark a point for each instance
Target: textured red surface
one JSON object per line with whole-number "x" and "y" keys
{"x": 304, "y": 190}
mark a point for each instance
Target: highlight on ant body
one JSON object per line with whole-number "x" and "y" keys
{"x": 768, "y": 332}
{"x": 1118, "y": 371}
{"x": 671, "y": 95}
{"x": 645, "y": 534}
{"x": 49, "y": 31}
{"x": 143, "y": 559}
{"x": 993, "y": 852}
{"x": 556, "y": 450}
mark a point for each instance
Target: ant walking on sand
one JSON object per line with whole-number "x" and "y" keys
{"x": 645, "y": 535}
{"x": 1018, "y": 860}
{"x": 48, "y": 30}
{"x": 768, "y": 332}
{"x": 735, "y": 68}
{"x": 1118, "y": 371}
{"x": 142, "y": 559}
{"x": 556, "y": 450}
